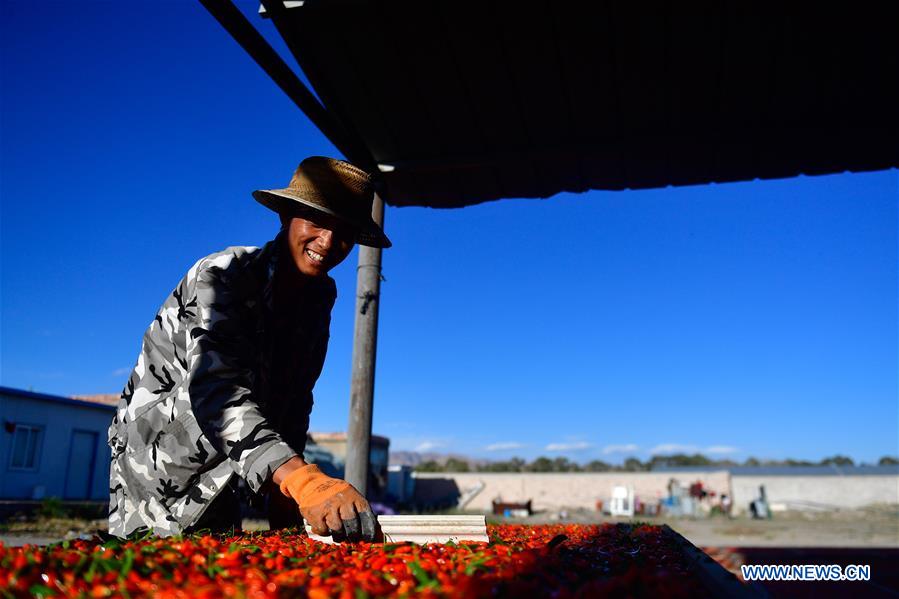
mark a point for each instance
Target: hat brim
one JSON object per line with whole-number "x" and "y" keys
{"x": 286, "y": 201}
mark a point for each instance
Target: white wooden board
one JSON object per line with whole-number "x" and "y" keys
{"x": 426, "y": 529}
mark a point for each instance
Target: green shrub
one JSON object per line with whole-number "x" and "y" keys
{"x": 52, "y": 507}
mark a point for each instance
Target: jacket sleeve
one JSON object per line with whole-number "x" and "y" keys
{"x": 221, "y": 346}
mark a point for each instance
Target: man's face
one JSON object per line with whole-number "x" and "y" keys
{"x": 318, "y": 243}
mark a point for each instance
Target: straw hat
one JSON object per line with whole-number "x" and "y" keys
{"x": 333, "y": 187}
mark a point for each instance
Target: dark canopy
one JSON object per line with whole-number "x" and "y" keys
{"x": 464, "y": 102}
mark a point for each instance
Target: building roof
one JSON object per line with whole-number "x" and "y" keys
{"x": 464, "y": 103}
{"x": 109, "y": 399}
{"x": 80, "y": 401}
{"x": 341, "y": 437}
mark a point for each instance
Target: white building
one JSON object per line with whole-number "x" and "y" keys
{"x": 52, "y": 446}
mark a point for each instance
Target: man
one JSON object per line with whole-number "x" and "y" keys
{"x": 223, "y": 384}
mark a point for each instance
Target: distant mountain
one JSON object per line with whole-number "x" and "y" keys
{"x": 414, "y": 458}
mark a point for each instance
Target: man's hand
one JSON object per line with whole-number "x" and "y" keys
{"x": 330, "y": 505}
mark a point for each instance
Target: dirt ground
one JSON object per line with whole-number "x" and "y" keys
{"x": 876, "y": 526}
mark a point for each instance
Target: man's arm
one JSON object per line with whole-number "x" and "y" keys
{"x": 220, "y": 355}
{"x": 221, "y": 390}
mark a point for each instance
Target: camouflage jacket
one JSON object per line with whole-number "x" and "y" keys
{"x": 201, "y": 403}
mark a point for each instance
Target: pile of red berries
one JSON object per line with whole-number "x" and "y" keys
{"x": 520, "y": 561}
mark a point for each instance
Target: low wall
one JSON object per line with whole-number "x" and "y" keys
{"x": 835, "y": 491}
{"x": 555, "y": 490}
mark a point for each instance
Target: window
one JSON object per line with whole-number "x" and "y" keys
{"x": 26, "y": 443}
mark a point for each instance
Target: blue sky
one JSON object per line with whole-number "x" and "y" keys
{"x": 755, "y": 318}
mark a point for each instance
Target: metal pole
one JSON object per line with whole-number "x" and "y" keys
{"x": 365, "y": 341}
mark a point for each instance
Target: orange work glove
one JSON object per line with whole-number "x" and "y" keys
{"x": 330, "y": 505}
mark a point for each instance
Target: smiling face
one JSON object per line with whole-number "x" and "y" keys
{"x": 318, "y": 242}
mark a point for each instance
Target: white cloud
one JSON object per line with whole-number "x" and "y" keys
{"x": 673, "y": 448}
{"x": 121, "y": 371}
{"x": 575, "y": 446}
{"x": 504, "y": 446}
{"x": 626, "y": 448}
{"x": 428, "y": 446}
{"x": 668, "y": 448}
